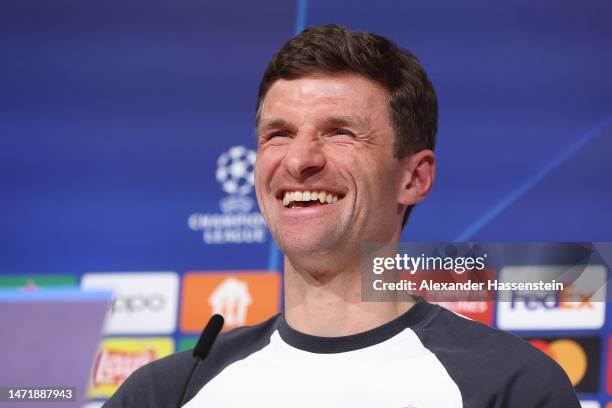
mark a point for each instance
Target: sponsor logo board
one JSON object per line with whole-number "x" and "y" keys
{"x": 580, "y": 305}
{"x": 578, "y": 356}
{"x": 117, "y": 358}
{"x": 143, "y": 302}
{"x": 242, "y": 298}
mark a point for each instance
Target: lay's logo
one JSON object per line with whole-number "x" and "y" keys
{"x": 112, "y": 367}
{"x": 120, "y": 357}
{"x": 242, "y": 298}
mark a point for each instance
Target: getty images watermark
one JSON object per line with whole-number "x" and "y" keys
{"x": 484, "y": 271}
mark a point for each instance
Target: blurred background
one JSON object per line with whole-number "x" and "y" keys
{"x": 127, "y": 144}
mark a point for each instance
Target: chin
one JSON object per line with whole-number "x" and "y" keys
{"x": 299, "y": 245}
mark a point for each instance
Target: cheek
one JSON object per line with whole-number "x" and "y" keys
{"x": 377, "y": 181}
{"x": 261, "y": 188}
{"x": 363, "y": 170}
{"x": 264, "y": 166}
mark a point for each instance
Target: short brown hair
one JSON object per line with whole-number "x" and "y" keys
{"x": 332, "y": 48}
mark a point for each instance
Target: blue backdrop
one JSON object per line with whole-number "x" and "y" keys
{"x": 114, "y": 114}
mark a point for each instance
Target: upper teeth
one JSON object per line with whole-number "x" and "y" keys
{"x": 322, "y": 196}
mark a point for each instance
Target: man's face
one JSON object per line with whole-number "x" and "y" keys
{"x": 325, "y": 176}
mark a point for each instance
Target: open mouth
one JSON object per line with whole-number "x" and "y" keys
{"x": 300, "y": 199}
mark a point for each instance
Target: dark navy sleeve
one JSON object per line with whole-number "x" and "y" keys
{"x": 542, "y": 384}
{"x": 157, "y": 384}
{"x": 495, "y": 369}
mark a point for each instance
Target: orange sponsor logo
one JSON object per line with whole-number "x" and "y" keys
{"x": 242, "y": 298}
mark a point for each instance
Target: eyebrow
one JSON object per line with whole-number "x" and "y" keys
{"x": 271, "y": 124}
{"x": 345, "y": 121}
{"x": 329, "y": 121}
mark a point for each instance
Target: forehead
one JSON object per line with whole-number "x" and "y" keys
{"x": 344, "y": 94}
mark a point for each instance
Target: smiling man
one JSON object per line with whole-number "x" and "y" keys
{"x": 329, "y": 180}
{"x": 346, "y": 126}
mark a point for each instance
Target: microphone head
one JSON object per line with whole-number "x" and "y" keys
{"x": 209, "y": 334}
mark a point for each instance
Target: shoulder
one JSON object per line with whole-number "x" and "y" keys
{"x": 491, "y": 364}
{"x": 466, "y": 337}
{"x": 243, "y": 338}
{"x": 159, "y": 383}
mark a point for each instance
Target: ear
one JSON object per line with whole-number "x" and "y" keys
{"x": 419, "y": 171}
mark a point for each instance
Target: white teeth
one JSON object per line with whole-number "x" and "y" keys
{"x": 322, "y": 196}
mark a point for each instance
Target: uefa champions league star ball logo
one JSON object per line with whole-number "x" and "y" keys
{"x": 235, "y": 174}
{"x": 235, "y": 170}
{"x": 239, "y": 221}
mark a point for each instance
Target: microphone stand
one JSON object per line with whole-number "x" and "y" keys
{"x": 202, "y": 348}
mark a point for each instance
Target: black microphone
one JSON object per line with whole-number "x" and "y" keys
{"x": 202, "y": 348}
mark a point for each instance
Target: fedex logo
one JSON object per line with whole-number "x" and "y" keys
{"x": 569, "y": 299}
{"x": 580, "y": 305}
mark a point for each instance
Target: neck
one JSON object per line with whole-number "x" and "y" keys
{"x": 328, "y": 303}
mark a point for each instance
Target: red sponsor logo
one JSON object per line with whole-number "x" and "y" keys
{"x": 112, "y": 367}
{"x": 473, "y": 299}
{"x": 481, "y": 311}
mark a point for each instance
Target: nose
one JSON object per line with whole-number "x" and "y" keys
{"x": 304, "y": 157}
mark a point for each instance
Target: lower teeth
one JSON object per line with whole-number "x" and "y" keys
{"x": 304, "y": 204}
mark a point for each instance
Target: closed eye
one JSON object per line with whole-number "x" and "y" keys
{"x": 277, "y": 133}
{"x": 341, "y": 132}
